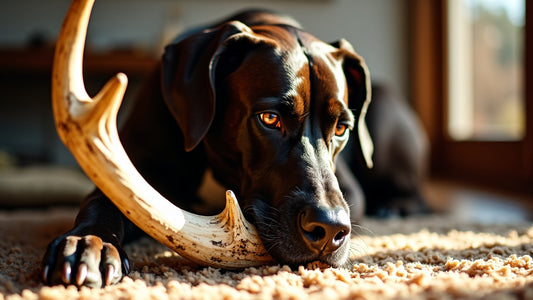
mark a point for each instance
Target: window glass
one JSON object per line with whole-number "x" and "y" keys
{"x": 486, "y": 70}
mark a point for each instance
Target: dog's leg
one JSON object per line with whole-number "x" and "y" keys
{"x": 90, "y": 254}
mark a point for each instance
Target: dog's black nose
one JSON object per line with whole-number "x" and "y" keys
{"x": 324, "y": 229}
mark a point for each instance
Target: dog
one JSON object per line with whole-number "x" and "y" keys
{"x": 264, "y": 107}
{"x": 393, "y": 186}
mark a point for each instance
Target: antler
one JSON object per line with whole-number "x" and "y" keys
{"x": 88, "y": 128}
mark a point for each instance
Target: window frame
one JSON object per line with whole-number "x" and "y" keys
{"x": 504, "y": 165}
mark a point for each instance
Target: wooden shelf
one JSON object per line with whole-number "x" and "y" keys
{"x": 40, "y": 61}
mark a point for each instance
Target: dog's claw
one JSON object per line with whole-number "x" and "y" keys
{"x": 45, "y": 273}
{"x": 126, "y": 265}
{"x": 82, "y": 274}
{"x": 67, "y": 271}
{"x": 110, "y": 273}
{"x": 84, "y": 261}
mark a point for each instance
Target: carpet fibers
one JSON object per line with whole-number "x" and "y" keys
{"x": 414, "y": 258}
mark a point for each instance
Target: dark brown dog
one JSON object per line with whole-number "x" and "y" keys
{"x": 264, "y": 106}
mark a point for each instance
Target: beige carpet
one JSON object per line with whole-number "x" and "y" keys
{"x": 417, "y": 258}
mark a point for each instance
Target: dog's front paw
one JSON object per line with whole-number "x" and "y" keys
{"x": 84, "y": 260}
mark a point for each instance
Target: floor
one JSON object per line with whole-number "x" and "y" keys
{"x": 477, "y": 204}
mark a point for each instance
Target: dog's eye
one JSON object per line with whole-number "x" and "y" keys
{"x": 340, "y": 129}
{"x": 270, "y": 119}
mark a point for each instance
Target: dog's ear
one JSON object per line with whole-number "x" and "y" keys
{"x": 188, "y": 72}
{"x": 359, "y": 94}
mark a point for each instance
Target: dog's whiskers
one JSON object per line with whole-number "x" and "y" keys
{"x": 357, "y": 249}
{"x": 360, "y": 229}
{"x": 267, "y": 223}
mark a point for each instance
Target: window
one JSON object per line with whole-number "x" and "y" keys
{"x": 485, "y": 41}
{"x": 472, "y": 85}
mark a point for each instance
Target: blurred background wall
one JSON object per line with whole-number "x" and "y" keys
{"x": 377, "y": 29}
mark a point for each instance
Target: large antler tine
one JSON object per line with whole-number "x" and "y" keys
{"x": 67, "y": 72}
{"x": 88, "y": 128}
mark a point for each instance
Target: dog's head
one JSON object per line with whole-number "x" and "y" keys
{"x": 273, "y": 107}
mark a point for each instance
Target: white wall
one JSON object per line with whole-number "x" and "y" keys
{"x": 376, "y": 28}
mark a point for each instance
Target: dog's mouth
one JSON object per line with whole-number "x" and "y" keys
{"x": 288, "y": 242}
